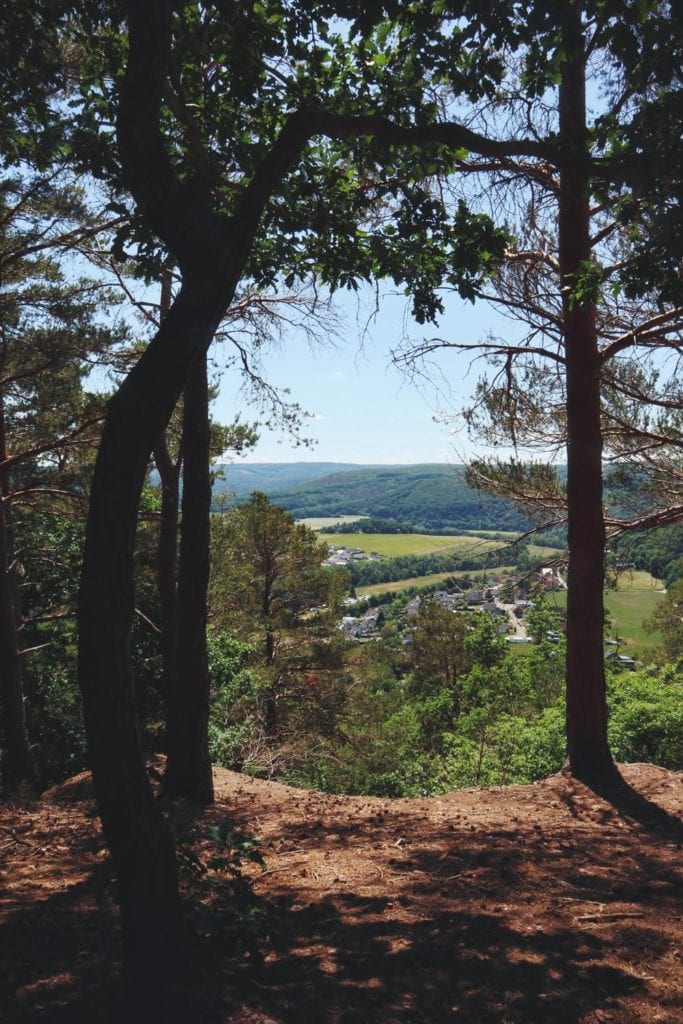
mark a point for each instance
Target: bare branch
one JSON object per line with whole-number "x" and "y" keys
{"x": 653, "y": 332}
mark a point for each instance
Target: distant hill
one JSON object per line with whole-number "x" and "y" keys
{"x": 242, "y": 478}
{"x": 429, "y": 496}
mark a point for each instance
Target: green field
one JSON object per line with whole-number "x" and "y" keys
{"x": 542, "y": 551}
{"x": 398, "y": 585}
{"x": 395, "y": 586}
{"x": 535, "y": 550}
{"x": 320, "y": 522}
{"x": 506, "y": 534}
{"x": 394, "y": 544}
{"x": 636, "y": 597}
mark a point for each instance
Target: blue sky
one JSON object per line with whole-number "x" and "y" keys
{"x": 363, "y": 408}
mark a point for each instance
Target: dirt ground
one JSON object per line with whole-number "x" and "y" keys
{"x": 539, "y": 904}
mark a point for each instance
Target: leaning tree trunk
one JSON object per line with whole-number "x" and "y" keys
{"x": 188, "y": 771}
{"x": 211, "y": 259}
{"x": 140, "y": 842}
{"x": 210, "y": 251}
{"x": 587, "y": 746}
{"x": 20, "y": 775}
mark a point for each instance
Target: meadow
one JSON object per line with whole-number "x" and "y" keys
{"x": 543, "y": 551}
{"x": 321, "y": 522}
{"x": 395, "y": 586}
{"x": 635, "y": 599}
{"x": 394, "y": 544}
{"x": 504, "y": 534}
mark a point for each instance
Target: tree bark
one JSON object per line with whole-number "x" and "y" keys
{"x": 188, "y": 770}
{"x": 167, "y": 563}
{"x": 587, "y": 747}
{"x": 210, "y": 251}
{"x": 140, "y": 842}
{"x": 167, "y": 548}
{"x": 20, "y": 775}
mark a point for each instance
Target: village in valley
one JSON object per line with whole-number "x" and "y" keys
{"x": 497, "y": 596}
{"x": 507, "y": 596}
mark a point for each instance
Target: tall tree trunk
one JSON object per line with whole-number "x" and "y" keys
{"x": 211, "y": 251}
{"x": 270, "y": 708}
{"x": 188, "y": 771}
{"x": 167, "y": 562}
{"x": 20, "y": 775}
{"x": 140, "y": 842}
{"x": 167, "y": 548}
{"x": 588, "y": 750}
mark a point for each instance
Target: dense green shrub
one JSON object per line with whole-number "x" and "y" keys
{"x": 235, "y": 691}
{"x": 646, "y": 717}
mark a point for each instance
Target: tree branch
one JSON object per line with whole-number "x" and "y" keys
{"x": 178, "y": 213}
{"x": 498, "y": 349}
{"x": 662, "y": 517}
{"x": 648, "y": 334}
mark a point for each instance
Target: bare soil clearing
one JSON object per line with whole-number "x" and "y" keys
{"x": 531, "y": 904}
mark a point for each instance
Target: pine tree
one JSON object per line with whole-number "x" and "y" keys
{"x": 52, "y": 331}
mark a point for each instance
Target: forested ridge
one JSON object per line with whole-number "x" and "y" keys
{"x": 432, "y": 496}
{"x": 240, "y": 479}
{"x": 437, "y": 497}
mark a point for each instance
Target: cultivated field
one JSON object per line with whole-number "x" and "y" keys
{"x": 636, "y": 597}
{"x": 480, "y": 579}
{"x": 394, "y": 544}
{"x": 543, "y": 551}
{"x": 505, "y": 534}
{"x": 320, "y": 522}
{"x": 397, "y": 585}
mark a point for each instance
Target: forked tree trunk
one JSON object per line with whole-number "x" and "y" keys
{"x": 188, "y": 771}
{"x": 140, "y": 842}
{"x": 587, "y": 747}
{"x": 211, "y": 252}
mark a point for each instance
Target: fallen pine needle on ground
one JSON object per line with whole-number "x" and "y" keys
{"x": 530, "y": 904}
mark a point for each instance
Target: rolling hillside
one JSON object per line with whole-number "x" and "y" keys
{"x": 428, "y": 496}
{"x": 243, "y": 478}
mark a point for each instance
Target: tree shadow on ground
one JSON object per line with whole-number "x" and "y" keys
{"x": 60, "y": 958}
{"x": 61, "y": 965}
{"x": 446, "y": 967}
{"x": 633, "y": 806}
{"x": 462, "y": 937}
{"x": 472, "y": 922}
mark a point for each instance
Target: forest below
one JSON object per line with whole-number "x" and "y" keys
{"x": 436, "y": 700}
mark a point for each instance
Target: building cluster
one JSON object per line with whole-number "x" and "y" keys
{"x": 549, "y": 579}
{"x": 362, "y": 627}
{"x": 344, "y": 556}
{"x": 509, "y": 617}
